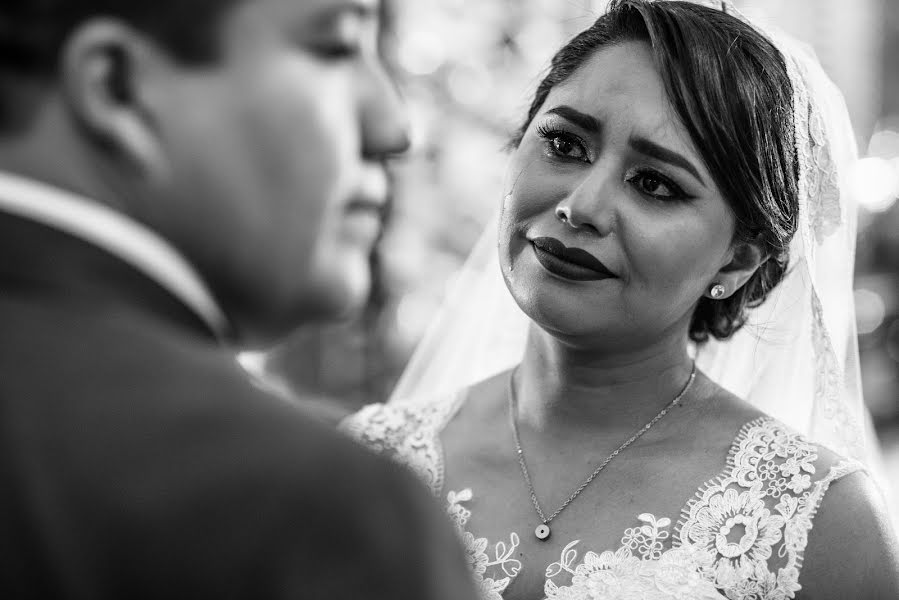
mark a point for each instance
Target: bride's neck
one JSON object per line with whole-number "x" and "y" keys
{"x": 560, "y": 387}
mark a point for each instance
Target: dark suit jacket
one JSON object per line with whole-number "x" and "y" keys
{"x": 137, "y": 461}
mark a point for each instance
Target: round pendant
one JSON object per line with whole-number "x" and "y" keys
{"x": 542, "y": 532}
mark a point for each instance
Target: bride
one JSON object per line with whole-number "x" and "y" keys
{"x": 676, "y": 240}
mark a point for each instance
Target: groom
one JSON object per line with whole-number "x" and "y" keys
{"x": 178, "y": 177}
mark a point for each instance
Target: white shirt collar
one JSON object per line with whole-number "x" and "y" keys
{"x": 117, "y": 234}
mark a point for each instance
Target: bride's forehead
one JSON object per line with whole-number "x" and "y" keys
{"x": 625, "y": 67}
{"x": 623, "y": 90}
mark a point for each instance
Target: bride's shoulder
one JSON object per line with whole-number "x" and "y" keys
{"x": 749, "y": 427}
{"x": 852, "y": 549}
{"x": 407, "y": 431}
{"x": 834, "y": 513}
{"x": 394, "y": 421}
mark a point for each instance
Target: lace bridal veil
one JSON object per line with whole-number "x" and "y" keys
{"x": 797, "y": 356}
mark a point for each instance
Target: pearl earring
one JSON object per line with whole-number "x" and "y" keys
{"x": 717, "y": 291}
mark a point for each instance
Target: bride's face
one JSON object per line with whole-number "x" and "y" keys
{"x": 613, "y": 228}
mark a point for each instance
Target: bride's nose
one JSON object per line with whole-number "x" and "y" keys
{"x": 589, "y": 207}
{"x": 564, "y": 214}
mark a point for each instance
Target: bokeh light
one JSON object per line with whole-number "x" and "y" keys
{"x": 875, "y": 183}
{"x": 870, "y": 311}
{"x": 421, "y": 53}
{"x": 884, "y": 143}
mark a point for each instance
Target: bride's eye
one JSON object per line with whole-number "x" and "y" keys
{"x": 562, "y": 144}
{"x": 656, "y": 185}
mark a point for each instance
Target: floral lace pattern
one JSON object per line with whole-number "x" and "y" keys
{"x": 755, "y": 517}
{"x": 845, "y": 428}
{"x": 741, "y": 537}
{"x": 407, "y": 433}
{"x": 502, "y": 564}
{"x": 621, "y": 575}
{"x": 821, "y": 216}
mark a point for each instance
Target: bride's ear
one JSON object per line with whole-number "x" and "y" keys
{"x": 746, "y": 257}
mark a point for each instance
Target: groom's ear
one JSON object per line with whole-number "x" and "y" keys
{"x": 105, "y": 73}
{"x": 744, "y": 259}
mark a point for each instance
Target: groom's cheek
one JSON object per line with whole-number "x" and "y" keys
{"x": 303, "y": 142}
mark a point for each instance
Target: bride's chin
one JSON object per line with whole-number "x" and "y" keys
{"x": 554, "y": 315}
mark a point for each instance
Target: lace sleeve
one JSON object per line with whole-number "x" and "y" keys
{"x": 755, "y": 518}
{"x": 409, "y": 433}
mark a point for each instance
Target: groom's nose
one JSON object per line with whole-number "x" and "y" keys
{"x": 385, "y": 123}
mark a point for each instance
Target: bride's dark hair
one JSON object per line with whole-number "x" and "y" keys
{"x": 729, "y": 86}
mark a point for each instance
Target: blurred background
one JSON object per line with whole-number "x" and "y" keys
{"x": 468, "y": 69}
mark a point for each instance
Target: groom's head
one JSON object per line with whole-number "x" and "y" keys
{"x": 249, "y": 133}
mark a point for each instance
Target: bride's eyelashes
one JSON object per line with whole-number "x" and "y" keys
{"x": 559, "y": 143}
{"x": 656, "y": 185}
{"x": 566, "y": 146}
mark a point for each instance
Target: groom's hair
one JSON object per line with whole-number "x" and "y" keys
{"x": 34, "y": 32}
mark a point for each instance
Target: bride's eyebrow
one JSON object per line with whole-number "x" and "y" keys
{"x": 586, "y": 122}
{"x": 653, "y": 150}
{"x": 591, "y": 124}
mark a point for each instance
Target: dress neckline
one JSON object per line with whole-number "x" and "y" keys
{"x": 742, "y": 534}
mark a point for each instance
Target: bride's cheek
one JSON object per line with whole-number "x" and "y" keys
{"x": 533, "y": 200}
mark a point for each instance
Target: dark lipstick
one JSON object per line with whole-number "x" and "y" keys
{"x": 571, "y": 263}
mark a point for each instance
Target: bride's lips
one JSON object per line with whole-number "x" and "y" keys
{"x": 570, "y": 263}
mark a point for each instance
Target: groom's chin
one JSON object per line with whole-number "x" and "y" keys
{"x": 343, "y": 296}
{"x": 338, "y": 296}
{"x": 267, "y": 308}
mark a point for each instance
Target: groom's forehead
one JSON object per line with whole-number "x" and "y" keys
{"x": 310, "y": 18}
{"x": 324, "y": 10}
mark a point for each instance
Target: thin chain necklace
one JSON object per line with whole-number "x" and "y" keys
{"x": 543, "y": 531}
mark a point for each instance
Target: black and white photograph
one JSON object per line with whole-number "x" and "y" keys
{"x": 449, "y": 300}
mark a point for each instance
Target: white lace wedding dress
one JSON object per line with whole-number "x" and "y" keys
{"x": 741, "y": 536}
